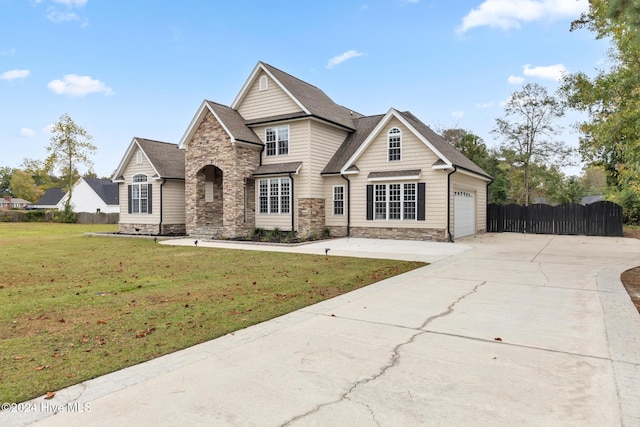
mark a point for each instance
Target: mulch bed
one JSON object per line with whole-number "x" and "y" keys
{"x": 631, "y": 278}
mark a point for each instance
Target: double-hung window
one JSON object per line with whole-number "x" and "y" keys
{"x": 394, "y": 144}
{"x": 274, "y": 196}
{"x": 338, "y": 200}
{"x": 139, "y": 195}
{"x": 395, "y": 201}
{"x": 277, "y": 141}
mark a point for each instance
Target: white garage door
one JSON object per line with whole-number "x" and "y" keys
{"x": 464, "y": 213}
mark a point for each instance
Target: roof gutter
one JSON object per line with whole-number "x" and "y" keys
{"x": 348, "y": 204}
{"x": 292, "y": 204}
{"x": 450, "y": 237}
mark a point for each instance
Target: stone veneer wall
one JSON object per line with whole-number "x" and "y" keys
{"x": 141, "y": 228}
{"x": 438, "y": 235}
{"x": 311, "y": 216}
{"x": 210, "y": 145}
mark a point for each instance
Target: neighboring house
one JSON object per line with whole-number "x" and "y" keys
{"x": 93, "y": 195}
{"x": 587, "y": 200}
{"x": 150, "y": 177}
{"x": 8, "y": 203}
{"x": 284, "y": 155}
{"x": 51, "y": 199}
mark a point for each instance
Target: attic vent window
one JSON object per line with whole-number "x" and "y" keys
{"x": 139, "y": 157}
{"x": 264, "y": 83}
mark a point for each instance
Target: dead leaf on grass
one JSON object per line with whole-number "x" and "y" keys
{"x": 40, "y": 368}
{"x": 18, "y": 358}
{"x": 101, "y": 322}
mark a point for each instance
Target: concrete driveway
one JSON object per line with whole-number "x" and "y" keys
{"x": 504, "y": 329}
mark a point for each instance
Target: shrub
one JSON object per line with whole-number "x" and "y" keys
{"x": 66, "y": 216}
{"x": 34, "y": 216}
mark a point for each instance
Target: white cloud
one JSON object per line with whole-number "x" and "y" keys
{"x": 48, "y": 128}
{"x": 15, "y": 74}
{"x": 457, "y": 114}
{"x": 27, "y": 132}
{"x": 336, "y": 60}
{"x": 57, "y": 17}
{"x": 507, "y": 14}
{"x": 515, "y": 80}
{"x": 72, "y": 3}
{"x": 485, "y": 105}
{"x": 75, "y": 85}
{"x": 551, "y": 72}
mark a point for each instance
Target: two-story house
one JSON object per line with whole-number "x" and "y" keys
{"x": 284, "y": 155}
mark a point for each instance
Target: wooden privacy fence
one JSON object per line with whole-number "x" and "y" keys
{"x": 597, "y": 219}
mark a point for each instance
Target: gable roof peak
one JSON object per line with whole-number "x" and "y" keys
{"x": 309, "y": 98}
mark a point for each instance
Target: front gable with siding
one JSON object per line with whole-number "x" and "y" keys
{"x": 150, "y": 180}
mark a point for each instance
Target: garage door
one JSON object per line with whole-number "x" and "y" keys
{"x": 464, "y": 213}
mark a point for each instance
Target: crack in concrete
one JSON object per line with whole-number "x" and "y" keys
{"x": 546, "y": 278}
{"x": 393, "y": 361}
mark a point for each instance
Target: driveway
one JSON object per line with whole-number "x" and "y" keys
{"x": 502, "y": 329}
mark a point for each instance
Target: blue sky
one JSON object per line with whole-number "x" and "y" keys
{"x": 122, "y": 69}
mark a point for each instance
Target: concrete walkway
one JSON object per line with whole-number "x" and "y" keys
{"x": 505, "y": 329}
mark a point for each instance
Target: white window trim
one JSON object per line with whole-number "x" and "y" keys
{"x": 399, "y": 135}
{"x": 333, "y": 204}
{"x": 277, "y": 141}
{"x": 139, "y": 157}
{"x": 402, "y": 202}
{"x": 139, "y": 185}
{"x": 279, "y": 196}
{"x": 264, "y": 83}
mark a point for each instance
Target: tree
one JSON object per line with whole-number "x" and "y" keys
{"x": 41, "y": 172}
{"x": 528, "y": 128}
{"x": 611, "y": 134}
{"x": 24, "y": 187}
{"x": 69, "y": 147}
{"x": 6, "y": 173}
{"x": 474, "y": 148}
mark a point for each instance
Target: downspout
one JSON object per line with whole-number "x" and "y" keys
{"x": 292, "y": 201}
{"x": 449, "y": 203}
{"x": 486, "y": 211}
{"x": 348, "y": 204}
{"x": 160, "y": 225}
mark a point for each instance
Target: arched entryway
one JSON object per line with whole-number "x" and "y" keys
{"x": 209, "y": 203}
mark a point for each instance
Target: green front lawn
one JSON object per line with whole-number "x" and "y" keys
{"x": 76, "y": 307}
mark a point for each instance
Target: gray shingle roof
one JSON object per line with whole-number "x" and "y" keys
{"x": 314, "y": 99}
{"x": 51, "y": 197}
{"x": 449, "y": 151}
{"x": 234, "y": 123}
{"x": 364, "y": 126}
{"x": 394, "y": 174}
{"x": 278, "y": 168}
{"x": 105, "y": 189}
{"x": 165, "y": 157}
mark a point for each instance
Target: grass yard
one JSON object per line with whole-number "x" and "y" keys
{"x": 74, "y": 307}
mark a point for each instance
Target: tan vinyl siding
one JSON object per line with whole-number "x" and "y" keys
{"x": 173, "y": 201}
{"x": 331, "y": 219}
{"x": 325, "y": 141}
{"x": 271, "y": 221}
{"x": 299, "y": 137}
{"x": 462, "y": 181}
{"x": 415, "y": 155}
{"x": 134, "y": 168}
{"x": 266, "y": 103}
